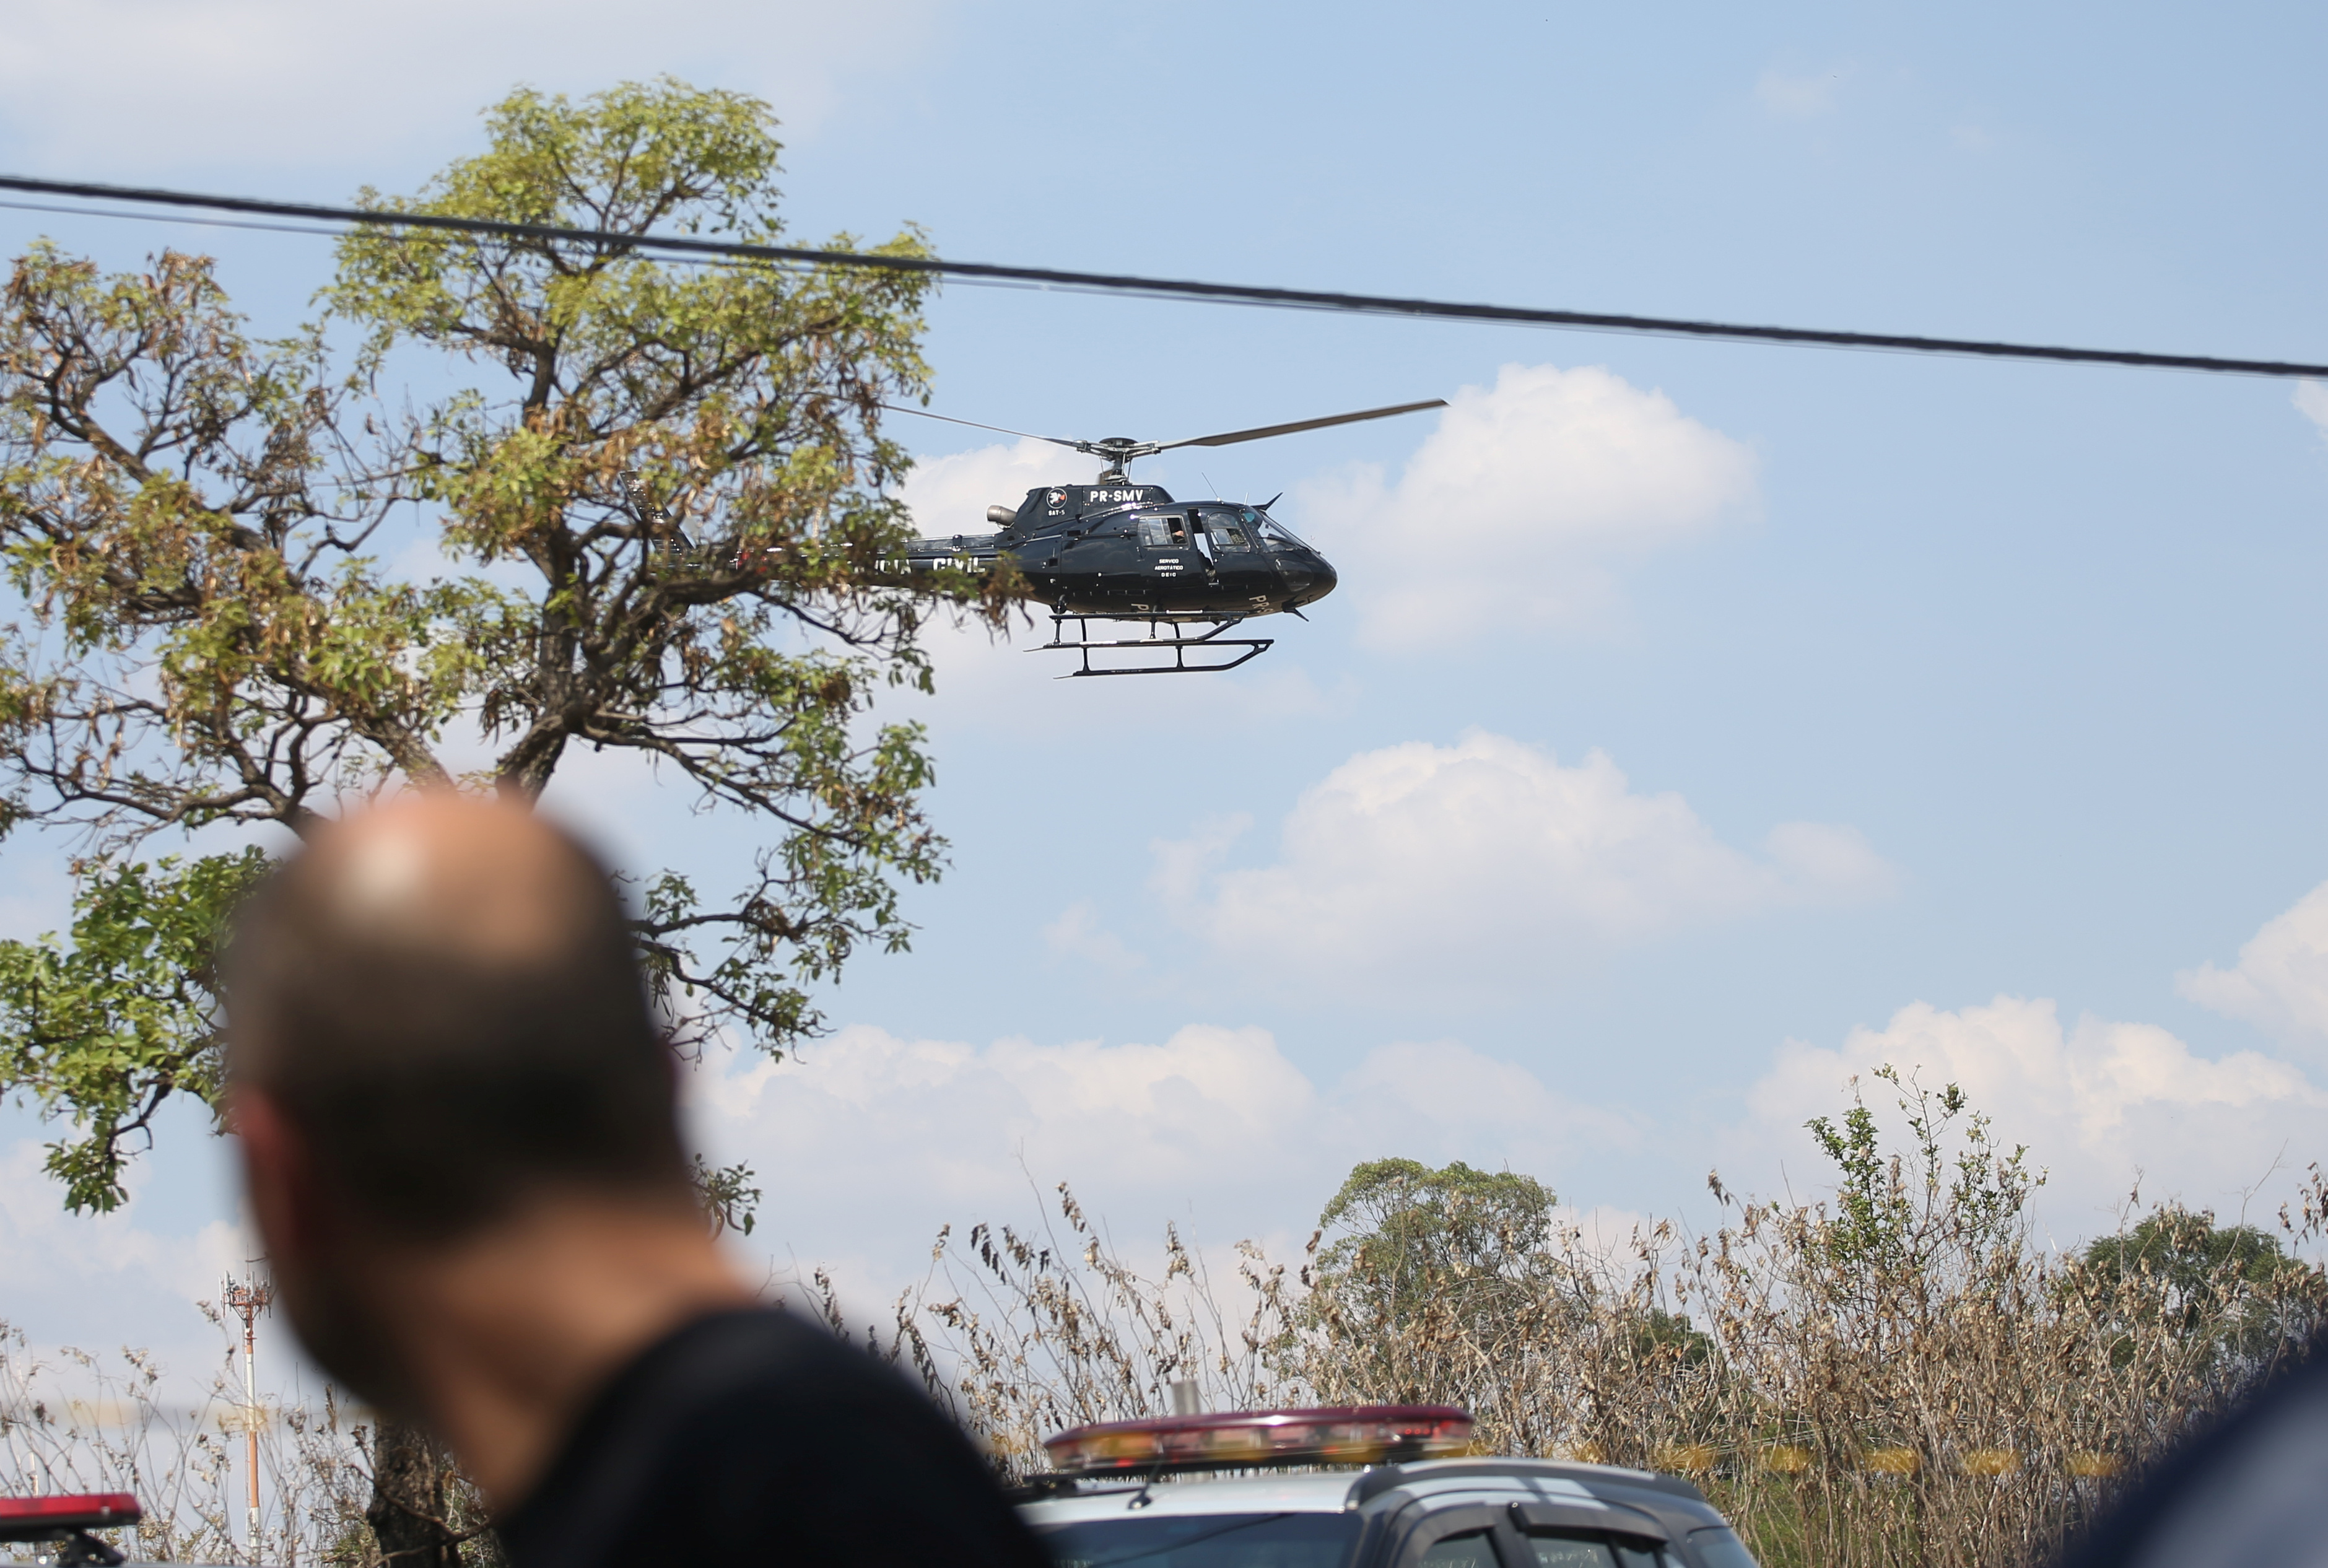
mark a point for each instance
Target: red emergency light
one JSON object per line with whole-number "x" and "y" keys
{"x": 46, "y": 1518}
{"x": 1356, "y": 1434}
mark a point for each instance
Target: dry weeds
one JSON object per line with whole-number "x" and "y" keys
{"x": 1897, "y": 1376}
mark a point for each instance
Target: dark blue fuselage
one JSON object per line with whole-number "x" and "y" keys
{"x": 1130, "y": 549}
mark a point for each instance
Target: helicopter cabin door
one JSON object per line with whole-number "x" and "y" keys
{"x": 1168, "y": 550}
{"x": 1240, "y": 562}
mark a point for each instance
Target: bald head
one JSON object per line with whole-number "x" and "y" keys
{"x": 443, "y": 996}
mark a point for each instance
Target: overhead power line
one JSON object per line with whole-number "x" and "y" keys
{"x": 688, "y": 246}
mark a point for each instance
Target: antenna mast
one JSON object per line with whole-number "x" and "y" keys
{"x": 248, "y": 1300}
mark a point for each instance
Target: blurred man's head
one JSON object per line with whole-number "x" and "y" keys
{"x": 435, "y": 1020}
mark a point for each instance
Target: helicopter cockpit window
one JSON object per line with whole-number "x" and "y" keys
{"x": 1230, "y": 530}
{"x": 1165, "y": 531}
{"x": 1279, "y": 536}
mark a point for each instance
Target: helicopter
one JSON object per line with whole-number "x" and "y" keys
{"x": 1116, "y": 551}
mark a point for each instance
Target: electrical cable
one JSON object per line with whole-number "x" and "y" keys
{"x": 688, "y": 246}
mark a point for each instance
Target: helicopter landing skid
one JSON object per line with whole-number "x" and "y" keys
{"x": 1177, "y": 644}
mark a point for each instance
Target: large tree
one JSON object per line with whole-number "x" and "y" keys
{"x": 2227, "y": 1293}
{"x": 260, "y": 577}
{"x": 1409, "y": 1241}
{"x": 255, "y": 586}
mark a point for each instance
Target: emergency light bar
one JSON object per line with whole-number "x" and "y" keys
{"x": 1239, "y": 1440}
{"x": 46, "y": 1518}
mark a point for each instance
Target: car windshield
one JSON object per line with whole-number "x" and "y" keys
{"x": 1205, "y": 1541}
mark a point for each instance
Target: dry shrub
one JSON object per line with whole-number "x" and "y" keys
{"x": 1899, "y": 1375}
{"x": 1033, "y": 1335}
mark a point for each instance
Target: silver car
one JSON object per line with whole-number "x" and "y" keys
{"x": 1452, "y": 1513}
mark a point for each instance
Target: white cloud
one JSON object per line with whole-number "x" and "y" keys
{"x": 2280, "y": 983}
{"x": 949, "y": 494}
{"x": 1439, "y": 1084}
{"x": 1801, "y": 95}
{"x": 1421, "y": 860}
{"x": 1078, "y": 935}
{"x": 1517, "y": 507}
{"x": 97, "y": 1282}
{"x": 873, "y": 1141}
{"x": 111, "y": 1250}
{"x": 2312, "y": 401}
{"x": 147, "y": 84}
{"x": 2098, "y": 1104}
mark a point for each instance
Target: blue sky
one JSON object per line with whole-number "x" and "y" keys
{"x": 1696, "y": 725}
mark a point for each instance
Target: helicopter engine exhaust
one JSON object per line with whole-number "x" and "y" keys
{"x": 1002, "y": 516}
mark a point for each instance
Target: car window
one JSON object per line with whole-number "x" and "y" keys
{"x": 1720, "y": 1547}
{"x": 1575, "y": 1552}
{"x": 1206, "y": 1541}
{"x": 1471, "y": 1549}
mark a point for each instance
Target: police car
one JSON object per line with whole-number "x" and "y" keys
{"x": 1152, "y": 1494}
{"x": 57, "y": 1527}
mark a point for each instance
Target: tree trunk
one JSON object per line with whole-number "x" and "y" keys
{"x": 409, "y": 1499}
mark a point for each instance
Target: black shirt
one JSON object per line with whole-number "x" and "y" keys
{"x": 2250, "y": 1493}
{"x": 756, "y": 1437}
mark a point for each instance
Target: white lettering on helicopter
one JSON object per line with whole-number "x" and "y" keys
{"x": 1103, "y": 497}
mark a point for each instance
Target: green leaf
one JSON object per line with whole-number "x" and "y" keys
{"x": 101, "y": 1034}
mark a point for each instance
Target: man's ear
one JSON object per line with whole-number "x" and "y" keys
{"x": 278, "y": 1174}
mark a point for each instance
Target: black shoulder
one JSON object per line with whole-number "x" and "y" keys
{"x": 758, "y": 1434}
{"x": 2245, "y": 1490}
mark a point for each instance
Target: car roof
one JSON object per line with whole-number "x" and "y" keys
{"x": 1384, "y": 1488}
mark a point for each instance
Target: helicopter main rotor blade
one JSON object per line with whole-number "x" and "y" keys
{"x": 1267, "y": 430}
{"x": 949, "y": 418}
